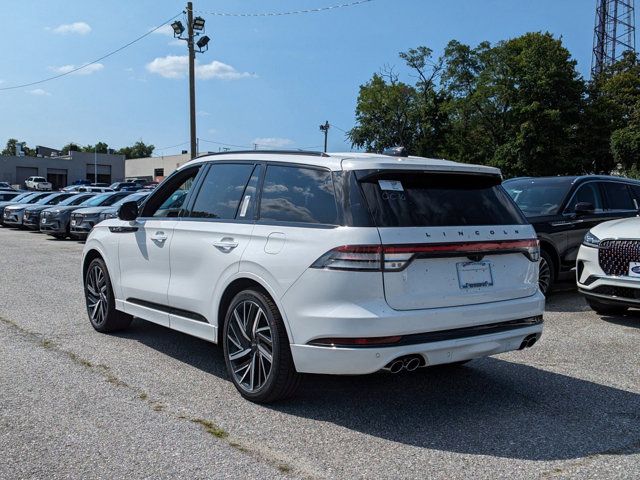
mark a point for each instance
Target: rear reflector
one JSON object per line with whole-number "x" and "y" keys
{"x": 359, "y": 342}
{"x": 397, "y": 257}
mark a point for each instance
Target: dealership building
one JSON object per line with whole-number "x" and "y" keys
{"x": 63, "y": 170}
{"x": 154, "y": 168}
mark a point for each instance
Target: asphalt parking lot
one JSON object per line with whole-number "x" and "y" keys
{"x": 154, "y": 403}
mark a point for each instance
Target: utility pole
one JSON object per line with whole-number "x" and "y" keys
{"x": 325, "y": 128}
{"x": 195, "y": 28}
{"x": 192, "y": 79}
{"x": 95, "y": 163}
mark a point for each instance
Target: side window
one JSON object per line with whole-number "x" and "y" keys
{"x": 618, "y": 196}
{"x": 221, "y": 191}
{"x": 298, "y": 194}
{"x": 167, "y": 200}
{"x": 587, "y": 193}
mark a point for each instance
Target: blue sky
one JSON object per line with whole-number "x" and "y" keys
{"x": 270, "y": 81}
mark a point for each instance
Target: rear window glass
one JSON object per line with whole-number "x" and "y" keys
{"x": 438, "y": 200}
{"x": 298, "y": 194}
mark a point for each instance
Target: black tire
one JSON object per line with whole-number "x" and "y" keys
{"x": 606, "y": 308}
{"x": 282, "y": 380}
{"x": 547, "y": 277}
{"x": 100, "y": 300}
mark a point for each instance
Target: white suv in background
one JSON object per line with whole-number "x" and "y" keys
{"x": 608, "y": 266}
{"x": 38, "y": 183}
{"x": 315, "y": 263}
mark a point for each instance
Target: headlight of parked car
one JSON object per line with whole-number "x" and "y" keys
{"x": 590, "y": 240}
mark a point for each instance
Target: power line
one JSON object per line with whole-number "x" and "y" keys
{"x": 223, "y": 144}
{"x": 173, "y": 146}
{"x": 48, "y": 79}
{"x": 293, "y": 12}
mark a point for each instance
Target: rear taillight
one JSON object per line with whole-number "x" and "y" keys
{"x": 351, "y": 257}
{"x": 397, "y": 257}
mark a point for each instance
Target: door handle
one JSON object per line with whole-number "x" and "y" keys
{"x": 226, "y": 244}
{"x": 159, "y": 237}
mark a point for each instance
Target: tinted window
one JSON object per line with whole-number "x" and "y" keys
{"x": 587, "y": 193}
{"x": 221, "y": 191}
{"x": 111, "y": 199}
{"x": 538, "y": 196}
{"x": 296, "y": 194}
{"x": 618, "y": 196}
{"x": 438, "y": 200}
{"x": 7, "y": 196}
{"x": 167, "y": 201}
{"x": 74, "y": 200}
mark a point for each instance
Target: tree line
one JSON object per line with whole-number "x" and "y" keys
{"x": 520, "y": 105}
{"x": 138, "y": 150}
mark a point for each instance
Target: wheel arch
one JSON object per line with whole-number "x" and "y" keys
{"x": 548, "y": 247}
{"x": 235, "y": 286}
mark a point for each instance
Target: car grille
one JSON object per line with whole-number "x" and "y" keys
{"x": 46, "y": 214}
{"x": 614, "y": 256}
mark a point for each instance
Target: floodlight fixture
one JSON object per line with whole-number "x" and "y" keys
{"x": 178, "y": 28}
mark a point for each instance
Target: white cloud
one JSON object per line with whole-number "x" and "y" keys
{"x": 79, "y": 28}
{"x": 164, "y": 30}
{"x": 175, "y": 66}
{"x": 39, "y": 92}
{"x": 88, "y": 70}
{"x": 272, "y": 142}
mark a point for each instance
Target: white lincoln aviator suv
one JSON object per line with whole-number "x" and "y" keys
{"x": 322, "y": 263}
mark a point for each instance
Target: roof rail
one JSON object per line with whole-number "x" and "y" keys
{"x": 267, "y": 152}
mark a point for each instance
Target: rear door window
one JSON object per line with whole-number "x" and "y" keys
{"x": 417, "y": 199}
{"x": 587, "y": 193}
{"x": 221, "y": 191}
{"x": 618, "y": 196}
{"x": 298, "y": 194}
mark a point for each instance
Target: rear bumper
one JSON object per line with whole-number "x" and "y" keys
{"x": 357, "y": 361}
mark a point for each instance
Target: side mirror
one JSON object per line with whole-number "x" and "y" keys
{"x": 128, "y": 211}
{"x": 584, "y": 208}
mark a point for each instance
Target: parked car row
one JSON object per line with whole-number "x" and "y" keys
{"x": 62, "y": 214}
{"x": 563, "y": 209}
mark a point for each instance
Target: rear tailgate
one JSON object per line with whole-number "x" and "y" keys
{"x": 450, "y": 239}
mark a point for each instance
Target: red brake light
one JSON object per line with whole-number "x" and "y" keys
{"x": 397, "y": 257}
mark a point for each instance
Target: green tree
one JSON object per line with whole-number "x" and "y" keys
{"x": 70, "y": 147}
{"x": 390, "y": 112}
{"x": 99, "y": 147}
{"x": 11, "y": 148}
{"x": 137, "y": 150}
{"x": 515, "y": 105}
{"x": 611, "y": 121}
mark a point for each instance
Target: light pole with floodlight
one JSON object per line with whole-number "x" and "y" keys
{"x": 195, "y": 28}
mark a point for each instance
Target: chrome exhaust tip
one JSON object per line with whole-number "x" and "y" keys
{"x": 396, "y": 366}
{"x": 412, "y": 364}
{"x": 529, "y": 341}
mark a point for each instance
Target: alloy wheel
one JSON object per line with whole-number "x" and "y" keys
{"x": 544, "y": 278}
{"x": 97, "y": 295}
{"x": 250, "y": 346}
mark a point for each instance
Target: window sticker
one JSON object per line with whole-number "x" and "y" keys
{"x": 245, "y": 205}
{"x": 393, "y": 185}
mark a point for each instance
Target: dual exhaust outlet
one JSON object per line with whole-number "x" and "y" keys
{"x": 413, "y": 362}
{"x": 408, "y": 363}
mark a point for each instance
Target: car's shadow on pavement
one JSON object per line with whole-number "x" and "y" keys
{"x": 488, "y": 407}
